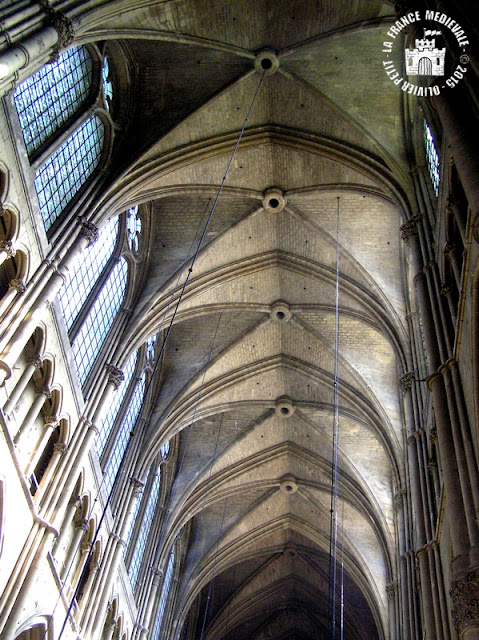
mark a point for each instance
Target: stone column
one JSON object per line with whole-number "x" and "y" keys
{"x": 95, "y": 614}
{"x": 452, "y": 107}
{"x": 33, "y": 363}
{"x": 7, "y": 250}
{"x": 73, "y": 505}
{"x": 50, "y": 424}
{"x": 147, "y": 621}
{"x": 32, "y": 414}
{"x": 81, "y": 526}
{"x": 14, "y": 343}
{"x": 15, "y": 288}
{"x": 90, "y": 431}
{"x": 450, "y": 472}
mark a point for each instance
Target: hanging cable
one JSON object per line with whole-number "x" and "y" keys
{"x": 158, "y": 359}
{"x": 190, "y": 270}
{"x": 333, "y": 527}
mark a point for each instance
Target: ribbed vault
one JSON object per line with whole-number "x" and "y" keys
{"x": 254, "y": 333}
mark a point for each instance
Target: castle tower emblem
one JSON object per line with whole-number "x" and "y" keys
{"x": 425, "y": 59}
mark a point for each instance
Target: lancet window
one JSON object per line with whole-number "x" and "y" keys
{"x": 64, "y": 94}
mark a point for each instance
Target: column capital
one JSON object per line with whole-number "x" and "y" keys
{"x": 399, "y": 499}
{"x": 62, "y": 24}
{"x": 50, "y": 422}
{"x": 36, "y": 361}
{"x": 18, "y": 284}
{"x": 406, "y": 380}
{"x": 465, "y": 602}
{"x": 88, "y": 230}
{"x": 60, "y": 448}
{"x": 391, "y": 589}
{"x": 8, "y": 247}
{"x": 115, "y": 375}
{"x": 409, "y": 228}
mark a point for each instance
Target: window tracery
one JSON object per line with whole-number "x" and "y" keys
{"x": 107, "y": 84}
{"x": 134, "y": 229}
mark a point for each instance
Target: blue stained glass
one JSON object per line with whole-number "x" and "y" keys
{"x": 66, "y": 170}
{"x": 98, "y": 322}
{"x": 107, "y": 84}
{"x": 52, "y": 95}
{"x": 144, "y": 531}
{"x": 73, "y": 295}
{"x": 118, "y": 398}
{"x": 127, "y": 426}
{"x": 164, "y": 595}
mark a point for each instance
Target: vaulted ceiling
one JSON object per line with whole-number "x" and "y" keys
{"x": 248, "y": 370}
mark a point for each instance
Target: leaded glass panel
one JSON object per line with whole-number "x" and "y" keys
{"x": 52, "y": 95}
{"x": 127, "y": 426}
{"x": 74, "y": 294}
{"x": 107, "y": 84}
{"x": 118, "y": 398}
{"x": 144, "y": 531}
{"x": 98, "y": 322}
{"x": 133, "y": 224}
{"x": 164, "y": 595}
{"x": 66, "y": 170}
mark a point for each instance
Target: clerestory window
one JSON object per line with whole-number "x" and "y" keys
{"x": 89, "y": 269}
{"x": 48, "y": 99}
{"x": 48, "y": 104}
{"x": 115, "y": 406}
{"x": 127, "y": 426}
{"x": 164, "y": 595}
{"x": 89, "y": 339}
{"x": 144, "y": 529}
{"x": 68, "y": 168}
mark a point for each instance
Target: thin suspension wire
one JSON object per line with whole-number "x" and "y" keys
{"x": 158, "y": 358}
{"x": 190, "y": 270}
{"x": 333, "y": 528}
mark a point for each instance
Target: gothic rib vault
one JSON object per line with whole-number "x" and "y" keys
{"x": 254, "y": 333}
{"x": 246, "y": 392}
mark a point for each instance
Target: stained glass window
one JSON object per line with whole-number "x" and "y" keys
{"x": 127, "y": 426}
{"x": 150, "y": 347}
{"x": 107, "y": 84}
{"x": 144, "y": 530}
{"x": 164, "y": 595}
{"x": 165, "y": 449}
{"x": 432, "y": 158}
{"x": 118, "y": 398}
{"x": 74, "y": 294}
{"x": 133, "y": 224}
{"x": 46, "y": 100}
{"x": 98, "y": 322}
{"x": 67, "y": 169}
